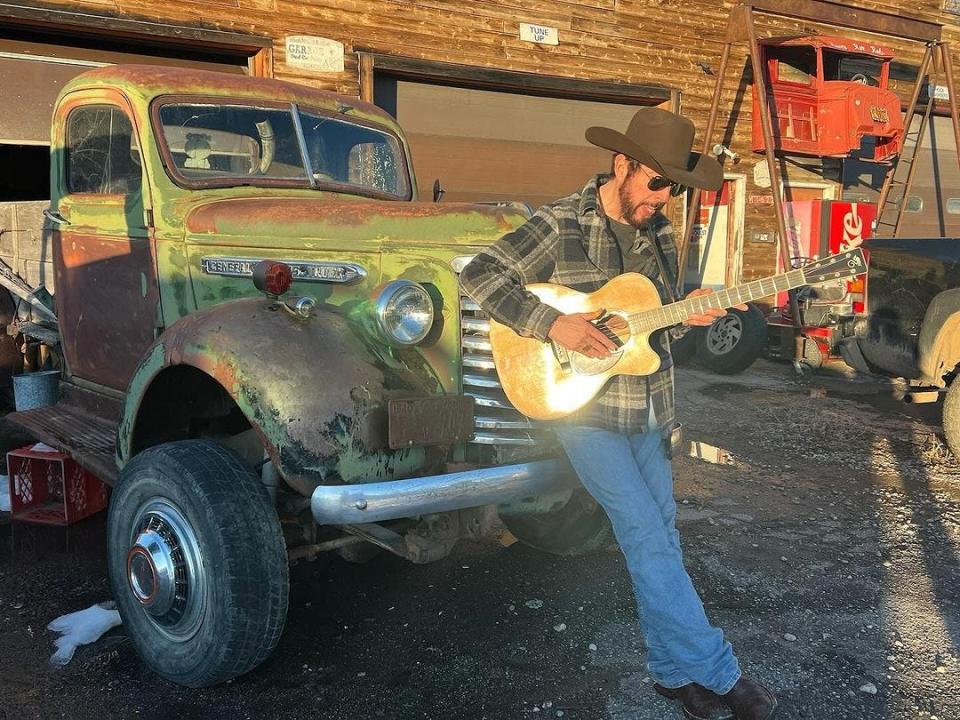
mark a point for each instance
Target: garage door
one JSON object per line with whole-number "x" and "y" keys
{"x": 485, "y": 145}
{"x": 32, "y": 74}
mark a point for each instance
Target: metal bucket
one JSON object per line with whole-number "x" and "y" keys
{"x": 37, "y": 389}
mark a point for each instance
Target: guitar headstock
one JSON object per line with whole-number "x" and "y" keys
{"x": 836, "y": 267}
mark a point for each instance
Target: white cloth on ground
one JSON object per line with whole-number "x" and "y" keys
{"x": 82, "y": 628}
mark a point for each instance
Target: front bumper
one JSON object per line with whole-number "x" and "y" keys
{"x": 377, "y": 502}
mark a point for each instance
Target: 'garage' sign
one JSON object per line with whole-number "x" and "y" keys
{"x": 314, "y": 53}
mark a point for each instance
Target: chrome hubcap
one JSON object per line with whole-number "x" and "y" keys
{"x": 724, "y": 334}
{"x": 164, "y": 569}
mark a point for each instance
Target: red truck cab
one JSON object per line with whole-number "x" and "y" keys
{"x": 828, "y": 97}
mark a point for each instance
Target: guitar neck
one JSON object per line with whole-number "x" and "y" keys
{"x": 678, "y": 312}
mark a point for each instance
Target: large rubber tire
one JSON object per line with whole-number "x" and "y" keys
{"x": 684, "y": 350}
{"x": 733, "y": 342}
{"x": 579, "y": 527}
{"x": 208, "y": 517}
{"x": 951, "y": 418}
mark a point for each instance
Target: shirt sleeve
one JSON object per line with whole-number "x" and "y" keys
{"x": 496, "y": 277}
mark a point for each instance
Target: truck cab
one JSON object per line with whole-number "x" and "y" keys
{"x": 829, "y": 97}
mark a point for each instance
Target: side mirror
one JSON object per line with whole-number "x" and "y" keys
{"x": 438, "y": 192}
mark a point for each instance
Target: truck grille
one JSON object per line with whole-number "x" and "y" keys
{"x": 496, "y": 421}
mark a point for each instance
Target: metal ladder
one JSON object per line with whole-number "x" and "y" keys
{"x": 892, "y": 202}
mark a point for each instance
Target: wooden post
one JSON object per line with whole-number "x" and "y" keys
{"x": 760, "y": 92}
{"x": 366, "y": 77}
{"x": 694, "y": 207}
{"x": 261, "y": 63}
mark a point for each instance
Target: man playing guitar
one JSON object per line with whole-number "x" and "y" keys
{"x": 618, "y": 442}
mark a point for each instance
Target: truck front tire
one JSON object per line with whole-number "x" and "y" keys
{"x": 951, "y": 418}
{"x": 578, "y": 527}
{"x": 197, "y": 562}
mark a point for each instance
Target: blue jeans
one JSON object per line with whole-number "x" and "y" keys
{"x": 631, "y": 477}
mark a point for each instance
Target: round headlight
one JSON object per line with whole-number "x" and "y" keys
{"x": 405, "y": 312}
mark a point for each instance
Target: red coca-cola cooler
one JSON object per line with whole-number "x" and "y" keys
{"x": 818, "y": 228}
{"x": 846, "y": 225}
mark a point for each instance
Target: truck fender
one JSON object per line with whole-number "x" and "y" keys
{"x": 938, "y": 347}
{"x": 314, "y": 390}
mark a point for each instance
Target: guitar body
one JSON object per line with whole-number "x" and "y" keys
{"x": 543, "y": 387}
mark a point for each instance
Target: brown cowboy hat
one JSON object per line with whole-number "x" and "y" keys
{"x": 662, "y": 141}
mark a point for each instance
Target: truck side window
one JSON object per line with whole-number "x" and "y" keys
{"x": 101, "y": 153}
{"x": 794, "y": 64}
{"x": 374, "y": 164}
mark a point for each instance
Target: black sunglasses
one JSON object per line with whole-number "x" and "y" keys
{"x": 659, "y": 182}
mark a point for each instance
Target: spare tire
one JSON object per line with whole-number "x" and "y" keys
{"x": 732, "y": 343}
{"x": 684, "y": 349}
{"x": 579, "y": 526}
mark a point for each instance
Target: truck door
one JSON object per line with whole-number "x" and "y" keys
{"x": 106, "y": 283}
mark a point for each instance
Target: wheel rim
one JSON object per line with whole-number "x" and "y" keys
{"x": 165, "y": 574}
{"x": 724, "y": 334}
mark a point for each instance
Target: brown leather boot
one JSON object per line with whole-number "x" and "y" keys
{"x": 750, "y": 700}
{"x": 698, "y": 702}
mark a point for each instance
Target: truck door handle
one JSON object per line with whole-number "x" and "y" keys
{"x": 55, "y": 217}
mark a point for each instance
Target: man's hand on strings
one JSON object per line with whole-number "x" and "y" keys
{"x": 577, "y": 333}
{"x": 710, "y": 314}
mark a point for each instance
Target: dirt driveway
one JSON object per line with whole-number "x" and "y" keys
{"x": 827, "y": 547}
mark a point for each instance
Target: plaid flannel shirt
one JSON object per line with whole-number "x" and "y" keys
{"x": 568, "y": 242}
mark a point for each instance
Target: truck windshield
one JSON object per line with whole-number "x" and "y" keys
{"x": 855, "y": 68}
{"x": 234, "y": 144}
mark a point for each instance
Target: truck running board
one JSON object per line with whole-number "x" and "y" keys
{"x": 87, "y": 438}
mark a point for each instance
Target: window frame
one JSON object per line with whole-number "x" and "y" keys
{"x": 65, "y": 163}
{"x": 773, "y": 68}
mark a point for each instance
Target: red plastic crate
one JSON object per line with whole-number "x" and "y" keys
{"x": 49, "y": 487}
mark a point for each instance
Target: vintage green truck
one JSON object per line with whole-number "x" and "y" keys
{"x": 266, "y": 354}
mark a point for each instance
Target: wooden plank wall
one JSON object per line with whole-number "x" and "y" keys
{"x": 630, "y": 41}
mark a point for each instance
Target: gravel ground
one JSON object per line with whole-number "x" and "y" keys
{"x": 827, "y": 546}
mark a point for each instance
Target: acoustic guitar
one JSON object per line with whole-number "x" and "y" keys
{"x": 545, "y": 381}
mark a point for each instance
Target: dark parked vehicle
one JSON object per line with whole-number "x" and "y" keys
{"x": 912, "y": 325}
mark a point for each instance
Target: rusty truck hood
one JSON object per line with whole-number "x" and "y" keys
{"x": 306, "y": 222}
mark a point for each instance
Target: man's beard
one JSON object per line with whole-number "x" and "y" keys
{"x": 628, "y": 208}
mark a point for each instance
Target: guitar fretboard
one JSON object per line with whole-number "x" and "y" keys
{"x": 678, "y": 312}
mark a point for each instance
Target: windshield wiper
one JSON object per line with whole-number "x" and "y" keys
{"x": 302, "y": 142}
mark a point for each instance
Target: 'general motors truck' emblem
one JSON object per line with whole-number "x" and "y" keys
{"x": 332, "y": 272}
